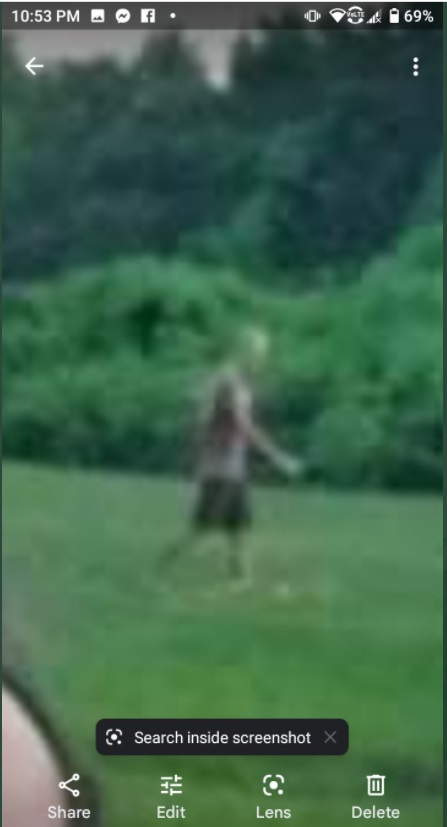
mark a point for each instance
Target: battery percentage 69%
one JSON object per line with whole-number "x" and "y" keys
{"x": 418, "y": 15}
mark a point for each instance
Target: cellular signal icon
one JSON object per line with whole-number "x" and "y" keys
{"x": 337, "y": 14}
{"x": 376, "y": 18}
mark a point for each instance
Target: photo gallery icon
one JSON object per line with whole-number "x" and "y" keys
{"x": 98, "y": 15}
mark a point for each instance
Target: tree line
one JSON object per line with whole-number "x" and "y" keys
{"x": 105, "y": 367}
{"x": 312, "y": 154}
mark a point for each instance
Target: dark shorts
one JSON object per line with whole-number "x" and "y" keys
{"x": 224, "y": 505}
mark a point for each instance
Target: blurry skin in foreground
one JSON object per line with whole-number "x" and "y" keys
{"x": 30, "y": 771}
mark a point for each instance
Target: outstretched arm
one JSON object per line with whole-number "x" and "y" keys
{"x": 278, "y": 458}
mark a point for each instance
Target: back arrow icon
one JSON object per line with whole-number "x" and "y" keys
{"x": 31, "y": 66}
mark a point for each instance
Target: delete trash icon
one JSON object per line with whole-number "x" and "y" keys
{"x": 376, "y": 784}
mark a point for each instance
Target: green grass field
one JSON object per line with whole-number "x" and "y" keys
{"x": 358, "y": 636}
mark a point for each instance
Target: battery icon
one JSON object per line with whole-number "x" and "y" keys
{"x": 394, "y": 15}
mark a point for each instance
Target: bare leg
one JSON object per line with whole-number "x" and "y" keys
{"x": 239, "y": 560}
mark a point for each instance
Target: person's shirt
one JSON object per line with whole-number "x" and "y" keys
{"x": 225, "y": 420}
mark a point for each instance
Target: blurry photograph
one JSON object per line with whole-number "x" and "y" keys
{"x": 222, "y": 397}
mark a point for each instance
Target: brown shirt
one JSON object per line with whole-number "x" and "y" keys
{"x": 225, "y": 418}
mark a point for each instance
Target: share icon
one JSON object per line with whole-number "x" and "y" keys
{"x": 63, "y": 785}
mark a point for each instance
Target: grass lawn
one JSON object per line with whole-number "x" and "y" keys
{"x": 357, "y": 635}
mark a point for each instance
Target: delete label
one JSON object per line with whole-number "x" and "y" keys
{"x": 375, "y": 812}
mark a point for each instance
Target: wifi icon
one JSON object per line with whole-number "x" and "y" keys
{"x": 337, "y": 14}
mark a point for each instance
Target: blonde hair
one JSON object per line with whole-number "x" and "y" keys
{"x": 253, "y": 341}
